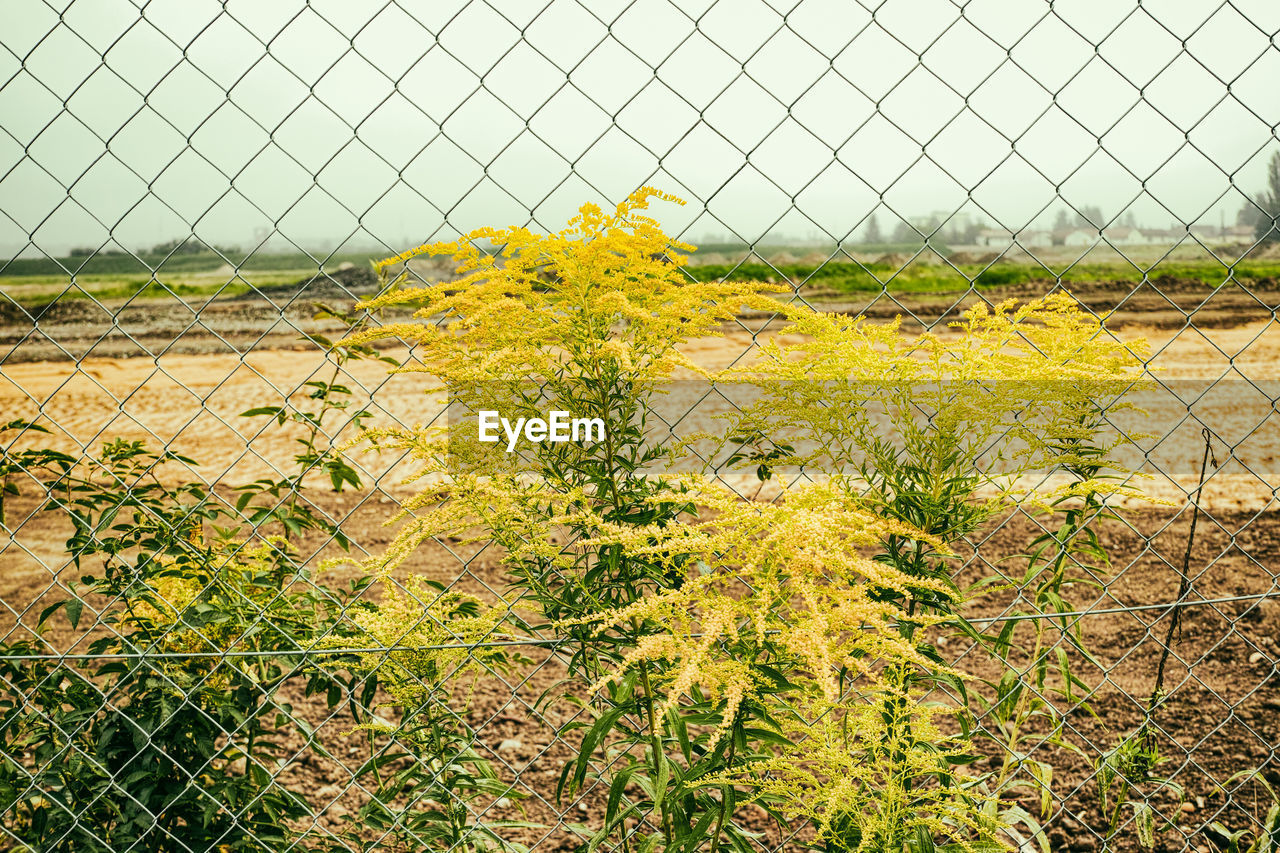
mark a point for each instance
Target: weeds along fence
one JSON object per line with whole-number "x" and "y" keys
{"x": 190, "y": 199}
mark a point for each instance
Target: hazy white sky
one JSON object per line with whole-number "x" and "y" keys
{"x": 335, "y": 121}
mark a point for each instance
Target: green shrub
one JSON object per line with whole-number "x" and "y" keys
{"x": 169, "y": 732}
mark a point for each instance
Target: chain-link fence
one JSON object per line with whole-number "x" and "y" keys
{"x": 181, "y": 183}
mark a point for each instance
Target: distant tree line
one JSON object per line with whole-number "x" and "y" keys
{"x": 176, "y": 246}
{"x": 1263, "y": 210}
{"x": 964, "y": 231}
{"x": 913, "y": 232}
{"x": 189, "y": 246}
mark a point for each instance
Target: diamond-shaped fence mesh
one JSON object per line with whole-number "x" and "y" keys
{"x": 181, "y": 183}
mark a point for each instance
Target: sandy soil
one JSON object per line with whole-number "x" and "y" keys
{"x": 1224, "y": 378}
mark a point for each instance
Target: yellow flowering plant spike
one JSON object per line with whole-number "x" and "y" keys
{"x": 939, "y": 431}
{"x": 428, "y": 647}
{"x": 589, "y": 321}
{"x": 785, "y": 641}
{"x": 605, "y": 295}
{"x": 997, "y": 396}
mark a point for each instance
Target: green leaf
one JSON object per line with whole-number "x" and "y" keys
{"x": 616, "y": 789}
{"x": 50, "y": 610}
{"x": 1042, "y": 772}
{"x": 1144, "y": 820}
{"x": 766, "y": 736}
{"x": 278, "y": 412}
{"x": 701, "y": 831}
{"x": 74, "y": 607}
{"x": 923, "y": 841}
{"x": 1227, "y": 841}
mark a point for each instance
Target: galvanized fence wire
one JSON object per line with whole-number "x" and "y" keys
{"x": 1166, "y": 607}
{"x": 149, "y": 136}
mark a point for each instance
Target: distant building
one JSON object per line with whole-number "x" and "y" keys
{"x": 1074, "y": 237}
{"x": 1217, "y": 234}
{"x": 1124, "y": 236}
{"x": 1035, "y": 239}
{"x": 1120, "y": 235}
{"x": 993, "y": 238}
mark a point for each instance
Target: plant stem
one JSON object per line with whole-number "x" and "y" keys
{"x": 655, "y": 744}
{"x": 724, "y": 797}
{"x": 1184, "y": 581}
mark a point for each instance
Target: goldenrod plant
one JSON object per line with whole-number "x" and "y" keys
{"x": 1040, "y": 643}
{"x": 900, "y": 419}
{"x": 428, "y": 647}
{"x": 589, "y": 321}
{"x": 780, "y": 665}
{"x": 726, "y": 650}
{"x": 941, "y": 432}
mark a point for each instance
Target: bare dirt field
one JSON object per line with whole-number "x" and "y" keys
{"x": 180, "y": 377}
{"x": 1222, "y": 713}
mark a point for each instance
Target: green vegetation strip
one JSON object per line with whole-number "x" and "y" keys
{"x": 852, "y": 277}
{"x": 147, "y": 263}
{"x": 35, "y": 281}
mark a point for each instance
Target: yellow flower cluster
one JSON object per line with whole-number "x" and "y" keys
{"x": 787, "y": 588}
{"x": 423, "y": 641}
{"x": 520, "y": 514}
{"x": 788, "y": 581}
{"x": 599, "y": 306}
{"x": 1009, "y": 390}
{"x": 235, "y": 571}
{"x": 868, "y": 775}
{"x": 232, "y": 566}
{"x": 605, "y": 294}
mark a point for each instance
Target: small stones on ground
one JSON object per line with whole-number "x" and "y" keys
{"x": 1256, "y": 658}
{"x": 510, "y": 744}
{"x": 1188, "y": 808}
{"x": 503, "y": 803}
